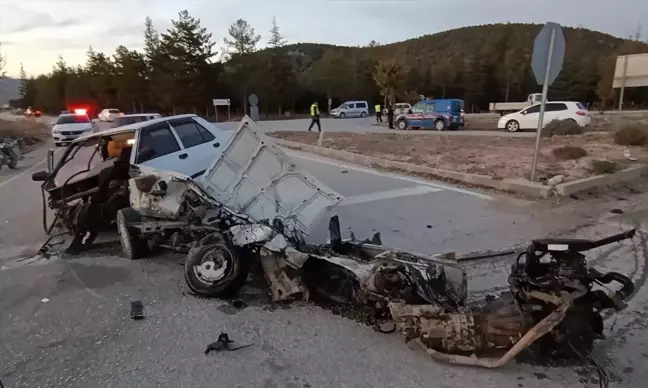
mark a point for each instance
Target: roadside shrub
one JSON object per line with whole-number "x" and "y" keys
{"x": 632, "y": 135}
{"x": 562, "y": 128}
{"x": 600, "y": 167}
{"x": 569, "y": 152}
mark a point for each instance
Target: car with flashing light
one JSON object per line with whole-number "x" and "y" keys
{"x": 109, "y": 114}
{"x": 439, "y": 114}
{"x": 134, "y": 118}
{"x": 69, "y": 126}
{"x": 555, "y": 110}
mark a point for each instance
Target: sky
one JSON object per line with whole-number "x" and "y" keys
{"x": 36, "y": 32}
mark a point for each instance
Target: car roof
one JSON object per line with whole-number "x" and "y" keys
{"x": 139, "y": 114}
{"x": 130, "y": 128}
{"x": 71, "y": 114}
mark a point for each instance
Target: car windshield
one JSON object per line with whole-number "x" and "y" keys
{"x": 113, "y": 110}
{"x": 72, "y": 119}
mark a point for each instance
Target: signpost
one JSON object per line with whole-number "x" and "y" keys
{"x": 546, "y": 62}
{"x": 254, "y": 107}
{"x": 222, "y": 102}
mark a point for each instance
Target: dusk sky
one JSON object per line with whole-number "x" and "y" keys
{"x": 36, "y": 32}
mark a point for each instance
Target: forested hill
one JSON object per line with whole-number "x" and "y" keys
{"x": 177, "y": 71}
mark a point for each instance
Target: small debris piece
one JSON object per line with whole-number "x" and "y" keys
{"x": 223, "y": 343}
{"x": 573, "y": 196}
{"x": 45, "y": 300}
{"x": 616, "y": 211}
{"x": 239, "y": 304}
{"x": 429, "y": 226}
{"x": 556, "y": 180}
{"x": 137, "y": 310}
{"x": 344, "y": 171}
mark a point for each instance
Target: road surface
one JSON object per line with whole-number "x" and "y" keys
{"x": 65, "y": 322}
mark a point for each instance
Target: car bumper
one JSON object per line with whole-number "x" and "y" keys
{"x": 61, "y": 138}
{"x": 335, "y": 114}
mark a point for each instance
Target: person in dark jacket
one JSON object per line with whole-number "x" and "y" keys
{"x": 315, "y": 116}
{"x": 390, "y": 115}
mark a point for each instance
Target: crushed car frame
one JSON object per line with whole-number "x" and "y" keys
{"x": 254, "y": 203}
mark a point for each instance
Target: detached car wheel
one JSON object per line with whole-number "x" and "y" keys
{"x": 215, "y": 270}
{"x": 132, "y": 246}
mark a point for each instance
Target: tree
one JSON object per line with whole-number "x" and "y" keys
{"x": 130, "y": 78}
{"x": 243, "y": 39}
{"x": 276, "y": 39}
{"x": 23, "y": 82}
{"x": 3, "y": 62}
{"x": 390, "y": 76}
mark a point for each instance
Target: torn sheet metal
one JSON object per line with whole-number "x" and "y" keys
{"x": 254, "y": 177}
{"x": 243, "y": 235}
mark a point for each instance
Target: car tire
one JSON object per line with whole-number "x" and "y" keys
{"x": 512, "y": 126}
{"x": 440, "y": 125}
{"x": 363, "y": 114}
{"x": 132, "y": 246}
{"x": 342, "y": 115}
{"x": 401, "y": 124}
{"x": 13, "y": 161}
{"x": 216, "y": 270}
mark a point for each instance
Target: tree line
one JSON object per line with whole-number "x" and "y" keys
{"x": 180, "y": 71}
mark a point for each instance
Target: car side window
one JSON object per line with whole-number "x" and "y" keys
{"x": 429, "y": 108}
{"x": 191, "y": 133}
{"x": 533, "y": 109}
{"x": 159, "y": 139}
{"x": 555, "y": 107}
{"x": 419, "y": 107}
{"x": 361, "y": 105}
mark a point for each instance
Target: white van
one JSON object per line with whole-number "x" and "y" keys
{"x": 351, "y": 109}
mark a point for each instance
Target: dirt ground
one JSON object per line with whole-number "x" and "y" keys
{"x": 31, "y": 131}
{"x": 502, "y": 157}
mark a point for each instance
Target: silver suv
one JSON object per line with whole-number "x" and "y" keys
{"x": 351, "y": 109}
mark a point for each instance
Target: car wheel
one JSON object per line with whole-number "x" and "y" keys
{"x": 215, "y": 270}
{"x": 57, "y": 144}
{"x": 132, "y": 246}
{"x": 439, "y": 125}
{"x": 401, "y": 124}
{"x": 342, "y": 115}
{"x": 512, "y": 126}
{"x": 13, "y": 161}
{"x": 363, "y": 114}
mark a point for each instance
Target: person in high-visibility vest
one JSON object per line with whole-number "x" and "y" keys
{"x": 315, "y": 116}
{"x": 378, "y": 114}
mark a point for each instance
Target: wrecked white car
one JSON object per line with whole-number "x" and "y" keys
{"x": 254, "y": 203}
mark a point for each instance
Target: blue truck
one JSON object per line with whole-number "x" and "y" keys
{"x": 433, "y": 114}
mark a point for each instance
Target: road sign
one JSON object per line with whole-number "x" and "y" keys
{"x": 548, "y": 48}
{"x": 547, "y": 61}
{"x": 221, "y": 102}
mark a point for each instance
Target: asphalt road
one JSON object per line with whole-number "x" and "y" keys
{"x": 81, "y": 335}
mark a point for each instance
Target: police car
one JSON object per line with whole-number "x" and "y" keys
{"x": 69, "y": 126}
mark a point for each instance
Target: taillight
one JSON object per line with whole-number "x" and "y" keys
{"x": 581, "y": 113}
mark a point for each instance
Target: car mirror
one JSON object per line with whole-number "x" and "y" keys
{"x": 523, "y": 113}
{"x": 146, "y": 153}
{"x": 40, "y": 176}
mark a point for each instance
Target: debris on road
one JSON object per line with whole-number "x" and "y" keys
{"x": 45, "y": 300}
{"x": 223, "y": 343}
{"x": 137, "y": 310}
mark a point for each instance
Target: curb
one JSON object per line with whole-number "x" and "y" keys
{"x": 518, "y": 185}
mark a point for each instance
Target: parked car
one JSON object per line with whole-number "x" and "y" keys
{"x": 31, "y": 112}
{"x": 437, "y": 114}
{"x": 400, "y": 108}
{"x": 69, "y": 126}
{"x": 109, "y": 115}
{"x": 134, "y": 118}
{"x": 556, "y": 110}
{"x": 351, "y": 109}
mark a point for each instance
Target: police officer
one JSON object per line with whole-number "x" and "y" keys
{"x": 315, "y": 116}
{"x": 378, "y": 114}
{"x": 390, "y": 115}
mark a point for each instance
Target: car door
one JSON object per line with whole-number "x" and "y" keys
{"x": 429, "y": 115}
{"x": 158, "y": 147}
{"x": 415, "y": 119}
{"x": 201, "y": 142}
{"x": 529, "y": 117}
{"x": 555, "y": 111}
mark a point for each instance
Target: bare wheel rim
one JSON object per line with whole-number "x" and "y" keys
{"x": 214, "y": 267}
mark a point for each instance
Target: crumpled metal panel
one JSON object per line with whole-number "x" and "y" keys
{"x": 254, "y": 177}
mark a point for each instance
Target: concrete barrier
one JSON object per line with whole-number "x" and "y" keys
{"x": 626, "y": 175}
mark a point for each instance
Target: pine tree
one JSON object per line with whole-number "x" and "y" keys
{"x": 276, "y": 39}
{"x": 3, "y": 62}
{"x": 23, "y": 82}
{"x": 243, "y": 39}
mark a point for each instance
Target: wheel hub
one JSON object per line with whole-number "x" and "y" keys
{"x": 212, "y": 268}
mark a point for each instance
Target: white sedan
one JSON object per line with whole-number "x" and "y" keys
{"x": 109, "y": 115}
{"x": 555, "y": 110}
{"x": 70, "y": 126}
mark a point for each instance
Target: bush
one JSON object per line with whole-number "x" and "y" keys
{"x": 632, "y": 135}
{"x": 569, "y": 152}
{"x": 600, "y": 167}
{"x": 562, "y": 128}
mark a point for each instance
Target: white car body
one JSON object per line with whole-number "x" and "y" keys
{"x": 555, "y": 110}
{"x": 401, "y": 108}
{"x": 351, "y": 109}
{"x": 69, "y": 126}
{"x": 185, "y": 144}
{"x": 134, "y": 118}
{"x": 109, "y": 115}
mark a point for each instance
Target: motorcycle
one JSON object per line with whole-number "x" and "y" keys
{"x": 9, "y": 153}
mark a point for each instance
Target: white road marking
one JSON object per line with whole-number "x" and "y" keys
{"x": 388, "y": 194}
{"x": 423, "y": 182}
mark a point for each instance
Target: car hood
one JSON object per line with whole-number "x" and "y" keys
{"x": 72, "y": 127}
{"x": 252, "y": 176}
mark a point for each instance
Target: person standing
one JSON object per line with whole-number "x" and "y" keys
{"x": 390, "y": 115}
{"x": 378, "y": 114}
{"x": 315, "y": 116}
